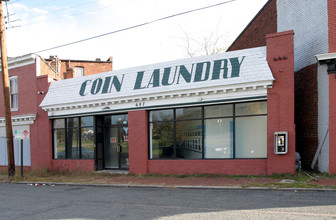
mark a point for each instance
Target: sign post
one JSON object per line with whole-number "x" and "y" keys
{"x": 21, "y": 157}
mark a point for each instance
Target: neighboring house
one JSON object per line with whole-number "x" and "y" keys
{"x": 313, "y": 23}
{"x": 66, "y": 68}
{"x": 29, "y": 77}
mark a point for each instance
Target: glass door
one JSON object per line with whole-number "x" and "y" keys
{"x": 123, "y": 147}
{"x": 111, "y": 148}
{"x": 116, "y": 142}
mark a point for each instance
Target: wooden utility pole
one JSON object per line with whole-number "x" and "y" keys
{"x": 5, "y": 82}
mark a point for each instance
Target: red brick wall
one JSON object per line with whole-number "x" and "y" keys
{"x": 67, "y": 67}
{"x": 46, "y": 69}
{"x": 73, "y": 165}
{"x": 265, "y": 22}
{"x": 26, "y": 90}
{"x": 138, "y": 141}
{"x": 332, "y": 124}
{"x": 306, "y": 114}
{"x": 332, "y": 25}
{"x": 40, "y": 131}
{"x": 332, "y": 88}
{"x": 227, "y": 167}
{"x": 280, "y": 103}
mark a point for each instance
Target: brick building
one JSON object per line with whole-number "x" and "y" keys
{"x": 30, "y": 76}
{"x": 246, "y": 111}
{"x": 214, "y": 114}
{"x": 312, "y": 22}
{"x": 67, "y": 69}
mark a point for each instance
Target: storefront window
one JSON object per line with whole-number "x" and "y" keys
{"x": 73, "y": 138}
{"x": 188, "y": 113}
{"x": 115, "y": 119}
{"x": 218, "y": 111}
{"x": 161, "y": 115}
{"x": 209, "y": 132}
{"x": 189, "y": 139}
{"x": 218, "y": 135}
{"x": 251, "y": 137}
{"x": 59, "y": 144}
{"x": 162, "y": 140}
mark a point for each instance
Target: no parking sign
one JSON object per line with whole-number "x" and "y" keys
{"x": 25, "y": 134}
{"x": 21, "y": 134}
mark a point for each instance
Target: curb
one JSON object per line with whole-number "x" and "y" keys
{"x": 171, "y": 186}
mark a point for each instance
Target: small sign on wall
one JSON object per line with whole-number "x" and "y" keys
{"x": 22, "y": 134}
{"x": 113, "y": 140}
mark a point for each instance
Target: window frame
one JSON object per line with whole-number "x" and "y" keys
{"x": 81, "y": 72}
{"x": 203, "y": 119}
{"x": 14, "y": 79}
{"x": 78, "y": 129}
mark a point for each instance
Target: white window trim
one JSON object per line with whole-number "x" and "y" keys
{"x": 17, "y": 92}
{"x": 76, "y": 69}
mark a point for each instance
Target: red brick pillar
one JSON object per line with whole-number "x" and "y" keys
{"x": 138, "y": 141}
{"x": 41, "y": 133}
{"x": 280, "y": 101}
{"x": 332, "y": 87}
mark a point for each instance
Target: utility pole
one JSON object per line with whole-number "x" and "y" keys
{"x": 5, "y": 82}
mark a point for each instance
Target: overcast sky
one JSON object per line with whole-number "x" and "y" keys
{"x": 45, "y": 24}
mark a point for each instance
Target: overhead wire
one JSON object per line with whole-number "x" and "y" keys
{"x": 135, "y": 26}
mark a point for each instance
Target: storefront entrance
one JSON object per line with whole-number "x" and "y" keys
{"x": 116, "y": 148}
{"x": 112, "y": 142}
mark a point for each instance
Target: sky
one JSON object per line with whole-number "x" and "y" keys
{"x": 36, "y": 25}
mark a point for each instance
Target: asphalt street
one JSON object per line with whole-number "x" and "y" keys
{"x": 23, "y": 201}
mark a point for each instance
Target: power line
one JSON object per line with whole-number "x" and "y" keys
{"x": 136, "y": 26}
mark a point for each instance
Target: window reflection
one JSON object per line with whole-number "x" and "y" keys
{"x": 75, "y": 140}
{"x": 217, "y": 131}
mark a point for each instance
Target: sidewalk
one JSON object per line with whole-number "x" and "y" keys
{"x": 301, "y": 180}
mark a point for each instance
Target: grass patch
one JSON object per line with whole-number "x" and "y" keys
{"x": 300, "y": 179}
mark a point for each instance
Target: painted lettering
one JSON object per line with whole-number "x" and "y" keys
{"x": 83, "y": 87}
{"x": 170, "y": 75}
{"x": 220, "y": 66}
{"x": 166, "y": 76}
{"x": 96, "y": 86}
{"x": 116, "y": 83}
{"x": 185, "y": 74}
{"x": 199, "y": 72}
{"x": 138, "y": 81}
{"x": 236, "y": 66}
{"x": 155, "y": 79}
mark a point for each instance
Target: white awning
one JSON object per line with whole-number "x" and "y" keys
{"x": 242, "y": 74}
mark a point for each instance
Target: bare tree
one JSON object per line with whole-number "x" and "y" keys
{"x": 209, "y": 43}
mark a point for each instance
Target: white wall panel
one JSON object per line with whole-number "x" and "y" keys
{"x": 323, "y": 117}
{"x": 309, "y": 20}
